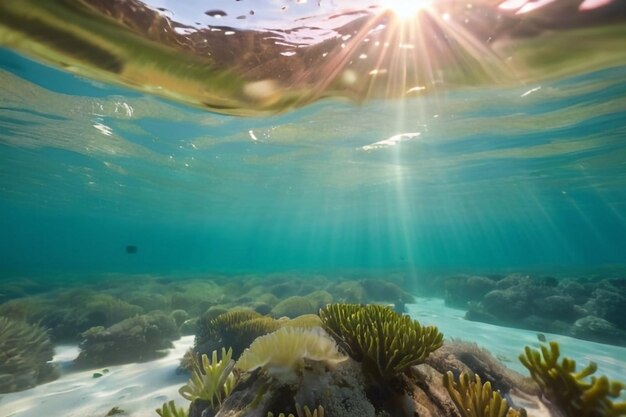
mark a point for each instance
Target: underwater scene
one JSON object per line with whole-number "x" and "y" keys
{"x": 313, "y": 208}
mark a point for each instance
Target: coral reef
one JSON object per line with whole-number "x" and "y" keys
{"x": 236, "y": 329}
{"x": 583, "y": 308}
{"x": 137, "y": 338}
{"x": 465, "y": 357}
{"x": 475, "y": 399}
{"x": 284, "y": 351}
{"x": 211, "y": 380}
{"x": 24, "y": 354}
{"x": 386, "y": 342}
{"x": 570, "y": 390}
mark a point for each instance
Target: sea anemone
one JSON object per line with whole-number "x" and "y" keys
{"x": 282, "y": 352}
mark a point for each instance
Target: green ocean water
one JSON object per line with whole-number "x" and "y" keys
{"x": 529, "y": 177}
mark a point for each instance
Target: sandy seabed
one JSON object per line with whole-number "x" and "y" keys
{"x": 140, "y": 388}
{"x": 137, "y": 388}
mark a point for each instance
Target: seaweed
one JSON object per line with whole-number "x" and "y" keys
{"x": 169, "y": 409}
{"x": 212, "y": 380}
{"x": 475, "y": 399}
{"x": 569, "y": 390}
{"x": 385, "y": 342}
{"x": 24, "y": 352}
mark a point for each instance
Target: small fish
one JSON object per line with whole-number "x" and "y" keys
{"x": 541, "y": 337}
{"x": 130, "y": 249}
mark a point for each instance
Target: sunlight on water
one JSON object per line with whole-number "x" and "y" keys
{"x": 177, "y": 178}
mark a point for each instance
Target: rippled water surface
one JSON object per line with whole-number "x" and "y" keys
{"x": 533, "y": 175}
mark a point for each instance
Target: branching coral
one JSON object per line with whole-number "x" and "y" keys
{"x": 570, "y": 390}
{"x": 212, "y": 380}
{"x": 386, "y": 342}
{"x": 169, "y": 409}
{"x": 283, "y": 351}
{"x": 24, "y": 352}
{"x": 475, "y": 399}
{"x": 302, "y": 412}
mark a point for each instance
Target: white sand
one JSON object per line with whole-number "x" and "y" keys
{"x": 140, "y": 388}
{"x": 136, "y": 388}
{"x": 507, "y": 344}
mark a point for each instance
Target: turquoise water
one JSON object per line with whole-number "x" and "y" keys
{"x": 463, "y": 164}
{"x": 525, "y": 178}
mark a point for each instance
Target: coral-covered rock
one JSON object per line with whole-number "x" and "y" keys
{"x": 598, "y": 329}
{"x": 461, "y": 290}
{"x": 609, "y": 305}
{"x": 138, "y": 338}
{"x": 348, "y": 292}
{"x": 378, "y": 290}
{"x": 294, "y": 306}
{"x": 320, "y": 298}
{"x": 561, "y": 307}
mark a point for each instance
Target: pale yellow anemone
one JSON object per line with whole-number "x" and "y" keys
{"x": 284, "y": 351}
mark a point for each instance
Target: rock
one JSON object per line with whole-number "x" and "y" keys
{"x": 179, "y": 317}
{"x": 294, "y": 306}
{"x": 542, "y": 324}
{"x": 511, "y": 280}
{"x": 561, "y": 307}
{"x": 430, "y": 396}
{"x": 262, "y": 308}
{"x": 285, "y": 289}
{"x": 598, "y": 330}
{"x": 138, "y": 338}
{"x": 348, "y": 292}
{"x": 508, "y": 304}
{"x": 320, "y": 298}
{"x": 476, "y": 314}
{"x": 189, "y": 327}
{"x": 460, "y": 291}
{"x": 609, "y": 305}
{"x": 574, "y": 289}
{"x": 457, "y": 356}
{"x": 378, "y": 290}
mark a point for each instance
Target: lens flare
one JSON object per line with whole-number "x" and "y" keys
{"x": 406, "y": 9}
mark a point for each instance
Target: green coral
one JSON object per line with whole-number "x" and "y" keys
{"x": 169, "y": 409}
{"x": 386, "y": 342}
{"x": 302, "y": 412}
{"x": 570, "y": 390}
{"x": 24, "y": 352}
{"x": 212, "y": 380}
{"x": 475, "y": 399}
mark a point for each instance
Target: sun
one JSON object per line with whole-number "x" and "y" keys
{"x": 405, "y": 9}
